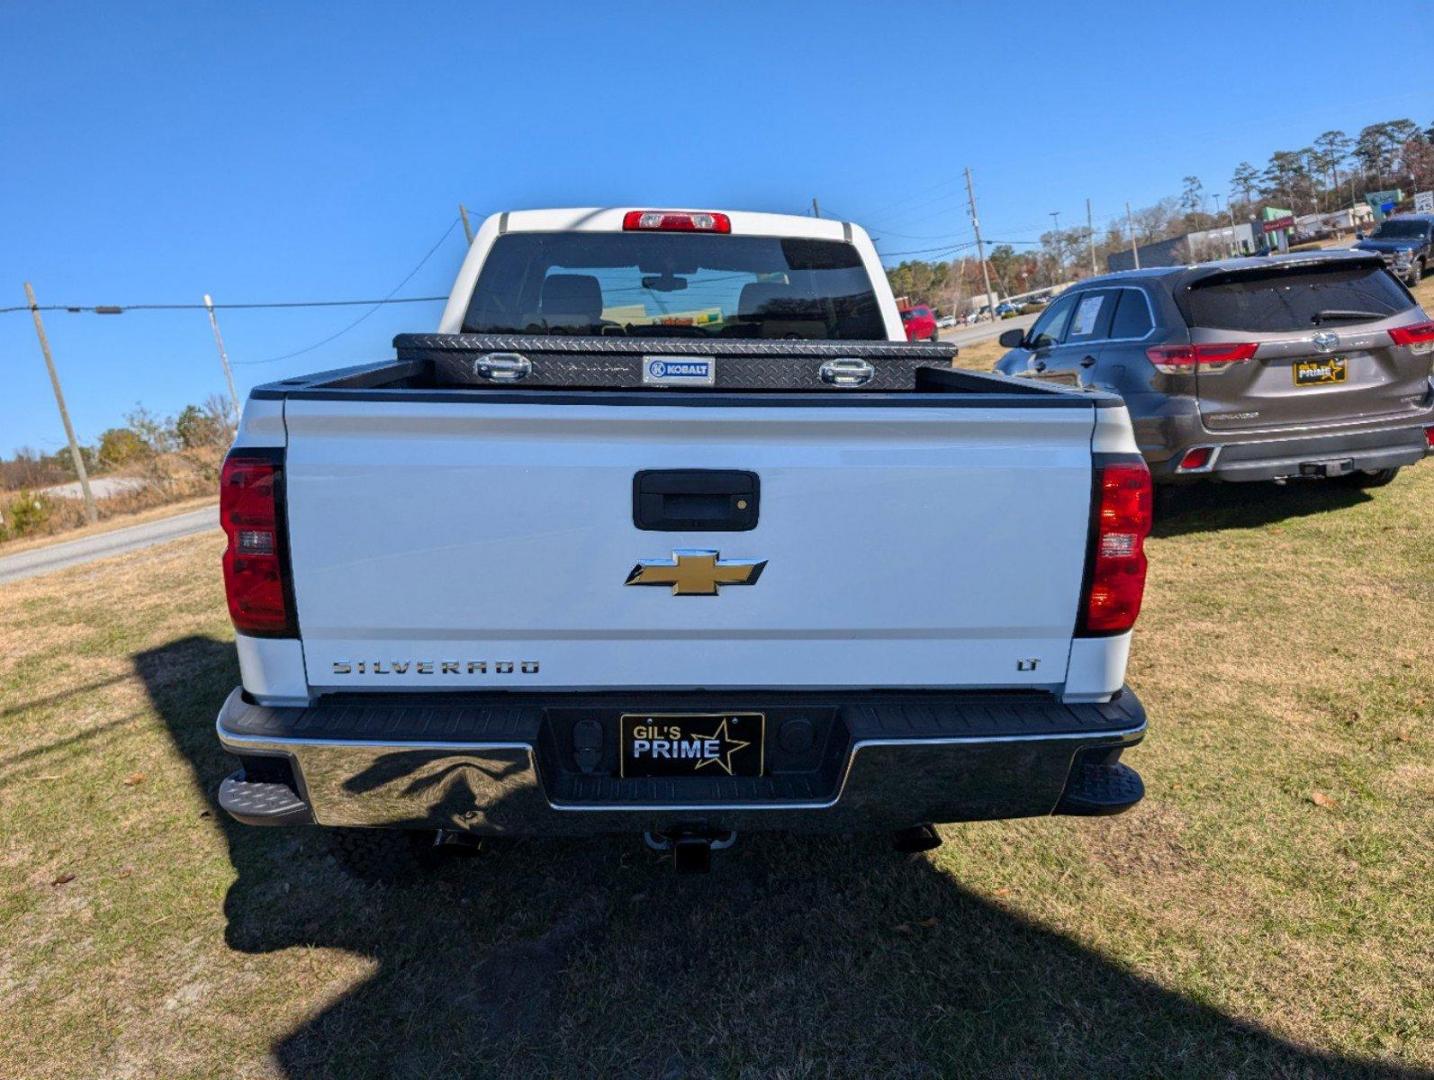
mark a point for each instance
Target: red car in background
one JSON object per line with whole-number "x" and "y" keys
{"x": 920, "y": 323}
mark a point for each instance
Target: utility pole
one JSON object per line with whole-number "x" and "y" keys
{"x": 980, "y": 248}
{"x": 91, "y": 514}
{"x": 1130, "y": 224}
{"x": 223, "y": 357}
{"x": 816, "y": 209}
{"x": 467, "y": 228}
{"x": 1090, "y": 236}
{"x": 1060, "y": 249}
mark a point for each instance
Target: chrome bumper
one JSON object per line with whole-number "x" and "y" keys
{"x": 498, "y": 787}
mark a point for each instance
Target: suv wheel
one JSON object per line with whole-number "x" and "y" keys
{"x": 1362, "y": 479}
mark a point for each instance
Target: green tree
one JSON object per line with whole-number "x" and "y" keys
{"x": 194, "y": 427}
{"x": 1244, "y": 180}
{"x": 1286, "y": 179}
{"x": 1006, "y": 268}
{"x": 1192, "y": 195}
{"x": 121, "y": 446}
{"x": 1331, "y": 150}
{"x": 157, "y": 434}
{"x": 1375, "y": 150}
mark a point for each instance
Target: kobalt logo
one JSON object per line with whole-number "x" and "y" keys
{"x": 668, "y": 370}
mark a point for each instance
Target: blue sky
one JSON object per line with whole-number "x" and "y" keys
{"x": 155, "y": 152}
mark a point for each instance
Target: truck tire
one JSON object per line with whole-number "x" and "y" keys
{"x": 382, "y": 854}
{"x": 1362, "y": 479}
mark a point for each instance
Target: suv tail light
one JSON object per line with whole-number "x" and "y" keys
{"x": 1418, "y": 338}
{"x": 255, "y": 559}
{"x": 681, "y": 221}
{"x": 1121, "y": 514}
{"x": 1209, "y": 356}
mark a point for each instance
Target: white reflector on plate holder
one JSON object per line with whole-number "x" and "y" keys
{"x": 676, "y": 221}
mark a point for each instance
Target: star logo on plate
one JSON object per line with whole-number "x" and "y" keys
{"x": 729, "y": 746}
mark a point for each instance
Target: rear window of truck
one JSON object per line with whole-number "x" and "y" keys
{"x": 1280, "y": 300}
{"x": 674, "y": 285}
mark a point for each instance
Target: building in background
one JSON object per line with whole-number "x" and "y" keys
{"x": 1222, "y": 243}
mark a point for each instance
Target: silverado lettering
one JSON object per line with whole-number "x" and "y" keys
{"x": 428, "y": 667}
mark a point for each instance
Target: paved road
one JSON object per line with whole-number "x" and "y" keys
{"x": 969, "y": 335}
{"x": 43, "y": 560}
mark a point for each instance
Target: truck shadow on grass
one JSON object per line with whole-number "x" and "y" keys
{"x": 586, "y": 958}
{"x": 1211, "y": 507}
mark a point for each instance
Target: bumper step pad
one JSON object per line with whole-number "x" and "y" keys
{"x": 1094, "y": 790}
{"x": 262, "y": 804}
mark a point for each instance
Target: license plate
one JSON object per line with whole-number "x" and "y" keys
{"x": 1319, "y": 372}
{"x": 691, "y": 744}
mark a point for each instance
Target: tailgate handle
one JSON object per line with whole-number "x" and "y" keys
{"x": 695, "y": 500}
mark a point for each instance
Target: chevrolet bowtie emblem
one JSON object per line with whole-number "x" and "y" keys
{"x": 696, "y": 572}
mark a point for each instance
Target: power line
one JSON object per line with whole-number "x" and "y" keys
{"x": 377, "y": 304}
{"x": 119, "y": 309}
{"x": 924, "y": 251}
{"x": 372, "y": 305}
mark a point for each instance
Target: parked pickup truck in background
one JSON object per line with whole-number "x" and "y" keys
{"x": 1405, "y": 243}
{"x": 667, "y": 531}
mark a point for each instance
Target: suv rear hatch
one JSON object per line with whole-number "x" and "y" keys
{"x": 1303, "y": 342}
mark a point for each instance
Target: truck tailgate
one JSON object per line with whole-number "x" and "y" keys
{"x": 453, "y": 545}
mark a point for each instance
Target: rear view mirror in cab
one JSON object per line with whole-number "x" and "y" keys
{"x": 1012, "y": 339}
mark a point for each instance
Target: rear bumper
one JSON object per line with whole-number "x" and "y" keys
{"x": 1263, "y": 457}
{"x": 497, "y": 764}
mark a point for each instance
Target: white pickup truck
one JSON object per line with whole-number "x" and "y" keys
{"x": 667, "y": 530}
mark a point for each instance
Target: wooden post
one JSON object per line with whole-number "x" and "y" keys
{"x": 91, "y": 514}
{"x": 223, "y": 358}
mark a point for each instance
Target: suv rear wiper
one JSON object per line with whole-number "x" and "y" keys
{"x": 1338, "y": 313}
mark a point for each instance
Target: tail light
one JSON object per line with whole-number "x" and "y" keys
{"x": 1209, "y": 356}
{"x": 1418, "y": 338}
{"x": 679, "y": 221}
{"x": 1121, "y": 515}
{"x": 255, "y": 560}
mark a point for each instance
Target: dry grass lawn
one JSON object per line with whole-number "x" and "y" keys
{"x": 1267, "y": 911}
